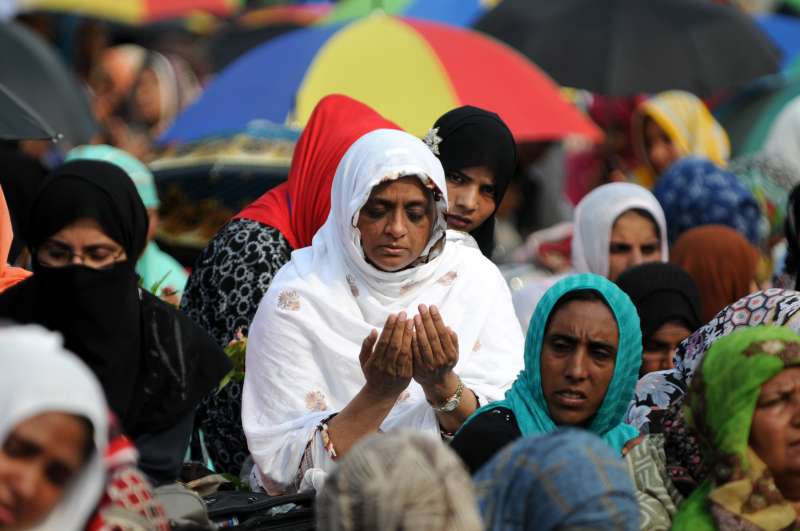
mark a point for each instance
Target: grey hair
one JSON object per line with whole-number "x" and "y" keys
{"x": 398, "y": 481}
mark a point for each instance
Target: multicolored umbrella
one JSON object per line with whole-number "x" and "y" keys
{"x": 454, "y": 12}
{"x": 296, "y": 14}
{"x": 134, "y": 11}
{"x": 411, "y": 71}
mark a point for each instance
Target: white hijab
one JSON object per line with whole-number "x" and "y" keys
{"x": 594, "y": 220}
{"x": 302, "y": 353}
{"x": 38, "y": 375}
{"x": 783, "y": 138}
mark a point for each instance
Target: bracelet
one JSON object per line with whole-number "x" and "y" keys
{"x": 451, "y": 404}
{"x": 327, "y": 443}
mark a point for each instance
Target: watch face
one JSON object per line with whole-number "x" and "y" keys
{"x": 451, "y": 405}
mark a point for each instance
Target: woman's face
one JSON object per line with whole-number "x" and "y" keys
{"x": 396, "y": 223}
{"x": 579, "y": 352}
{"x": 634, "y": 241}
{"x": 661, "y": 152}
{"x": 775, "y": 431}
{"x": 148, "y": 97}
{"x": 659, "y": 349}
{"x": 37, "y": 461}
{"x": 471, "y": 194}
{"x": 80, "y": 243}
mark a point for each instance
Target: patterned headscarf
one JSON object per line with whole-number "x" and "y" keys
{"x": 769, "y": 178}
{"x": 696, "y": 192}
{"x": 402, "y": 480}
{"x": 568, "y": 479}
{"x": 657, "y": 391}
{"x": 720, "y": 408}
{"x": 689, "y": 125}
{"x": 660, "y": 395}
{"x": 526, "y": 398}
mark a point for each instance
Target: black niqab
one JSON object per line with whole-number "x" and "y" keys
{"x": 474, "y": 137}
{"x": 154, "y": 364}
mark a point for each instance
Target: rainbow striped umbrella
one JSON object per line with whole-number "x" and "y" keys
{"x": 134, "y": 11}
{"x": 411, "y": 71}
{"x": 454, "y": 12}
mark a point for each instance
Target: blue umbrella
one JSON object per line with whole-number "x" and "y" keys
{"x": 785, "y": 33}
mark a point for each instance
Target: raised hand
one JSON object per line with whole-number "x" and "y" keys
{"x": 387, "y": 360}
{"x": 434, "y": 347}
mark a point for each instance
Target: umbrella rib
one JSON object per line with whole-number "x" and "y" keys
{"x": 27, "y": 108}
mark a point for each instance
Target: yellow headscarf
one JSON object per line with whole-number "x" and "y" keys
{"x": 690, "y": 126}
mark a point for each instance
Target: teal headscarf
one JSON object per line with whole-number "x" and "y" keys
{"x": 526, "y": 399}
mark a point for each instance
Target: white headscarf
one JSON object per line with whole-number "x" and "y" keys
{"x": 37, "y": 375}
{"x": 302, "y": 353}
{"x": 783, "y": 138}
{"x": 594, "y": 221}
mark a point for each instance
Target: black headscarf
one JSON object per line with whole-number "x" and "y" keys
{"x": 154, "y": 364}
{"x": 793, "y": 235}
{"x": 474, "y": 137}
{"x": 662, "y": 293}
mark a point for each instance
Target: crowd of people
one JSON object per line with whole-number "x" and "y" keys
{"x": 642, "y": 373}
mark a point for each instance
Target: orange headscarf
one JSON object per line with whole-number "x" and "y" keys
{"x": 721, "y": 262}
{"x": 8, "y": 275}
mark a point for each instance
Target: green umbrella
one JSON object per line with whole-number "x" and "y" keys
{"x": 350, "y": 9}
{"x": 748, "y": 118}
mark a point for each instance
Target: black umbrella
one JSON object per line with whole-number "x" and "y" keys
{"x": 623, "y": 47}
{"x": 18, "y": 121}
{"x": 32, "y": 71}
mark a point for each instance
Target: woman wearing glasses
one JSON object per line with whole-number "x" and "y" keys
{"x": 88, "y": 227}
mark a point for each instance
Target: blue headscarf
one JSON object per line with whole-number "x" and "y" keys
{"x": 695, "y": 192}
{"x": 567, "y": 479}
{"x": 526, "y": 399}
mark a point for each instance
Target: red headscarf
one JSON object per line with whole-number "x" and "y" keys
{"x": 299, "y": 207}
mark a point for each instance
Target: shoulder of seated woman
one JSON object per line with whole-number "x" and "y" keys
{"x": 498, "y": 418}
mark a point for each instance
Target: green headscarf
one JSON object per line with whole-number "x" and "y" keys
{"x": 720, "y": 407}
{"x": 526, "y": 399}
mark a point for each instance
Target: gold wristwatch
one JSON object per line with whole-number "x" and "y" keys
{"x": 451, "y": 404}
